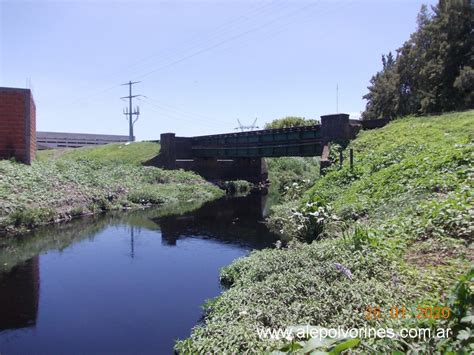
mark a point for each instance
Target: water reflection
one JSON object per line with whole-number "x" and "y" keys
{"x": 144, "y": 274}
{"x": 234, "y": 220}
{"x": 19, "y": 295}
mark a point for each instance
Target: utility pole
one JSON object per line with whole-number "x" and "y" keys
{"x": 337, "y": 98}
{"x": 132, "y": 242}
{"x": 130, "y": 112}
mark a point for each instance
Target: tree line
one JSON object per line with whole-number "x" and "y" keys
{"x": 433, "y": 71}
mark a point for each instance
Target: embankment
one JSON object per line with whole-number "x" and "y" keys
{"x": 394, "y": 231}
{"x": 63, "y": 184}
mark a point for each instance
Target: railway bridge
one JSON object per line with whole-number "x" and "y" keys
{"x": 233, "y": 156}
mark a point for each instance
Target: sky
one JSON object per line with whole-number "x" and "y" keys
{"x": 201, "y": 64}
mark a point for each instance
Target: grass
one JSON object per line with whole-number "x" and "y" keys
{"x": 64, "y": 184}
{"x": 119, "y": 153}
{"x": 394, "y": 231}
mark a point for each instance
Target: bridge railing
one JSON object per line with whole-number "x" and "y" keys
{"x": 262, "y": 136}
{"x": 292, "y": 141}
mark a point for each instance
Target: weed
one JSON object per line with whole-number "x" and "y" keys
{"x": 90, "y": 180}
{"x": 400, "y": 224}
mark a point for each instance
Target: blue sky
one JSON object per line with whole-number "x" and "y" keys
{"x": 202, "y": 64}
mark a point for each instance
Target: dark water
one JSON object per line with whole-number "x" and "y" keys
{"x": 125, "y": 283}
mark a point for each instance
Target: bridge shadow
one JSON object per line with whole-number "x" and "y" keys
{"x": 236, "y": 220}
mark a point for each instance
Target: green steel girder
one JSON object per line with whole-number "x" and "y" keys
{"x": 294, "y": 141}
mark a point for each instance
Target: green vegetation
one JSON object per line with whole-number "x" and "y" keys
{"x": 69, "y": 183}
{"x": 394, "y": 231}
{"x": 237, "y": 187}
{"x": 290, "y": 176}
{"x": 433, "y": 71}
{"x": 117, "y": 153}
{"x": 290, "y": 121}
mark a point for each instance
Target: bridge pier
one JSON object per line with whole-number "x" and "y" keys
{"x": 335, "y": 127}
{"x": 168, "y": 150}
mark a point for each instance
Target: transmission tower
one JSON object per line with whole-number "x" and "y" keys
{"x": 130, "y": 112}
{"x": 246, "y": 128}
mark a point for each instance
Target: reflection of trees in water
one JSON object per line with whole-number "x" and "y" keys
{"x": 19, "y": 295}
{"x": 234, "y": 220}
{"x": 231, "y": 220}
{"x": 18, "y": 249}
{"x": 58, "y": 237}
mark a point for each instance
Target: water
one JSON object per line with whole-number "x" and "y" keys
{"x": 123, "y": 283}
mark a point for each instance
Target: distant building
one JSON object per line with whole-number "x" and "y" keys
{"x": 51, "y": 140}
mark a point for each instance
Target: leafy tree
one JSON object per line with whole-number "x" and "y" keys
{"x": 384, "y": 96}
{"x": 464, "y": 84}
{"x": 411, "y": 60}
{"x": 432, "y": 71}
{"x": 290, "y": 121}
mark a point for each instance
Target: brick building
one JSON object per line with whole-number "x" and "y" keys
{"x": 17, "y": 124}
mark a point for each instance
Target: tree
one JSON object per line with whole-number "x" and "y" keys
{"x": 449, "y": 51}
{"x": 433, "y": 70}
{"x": 411, "y": 59}
{"x": 290, "y": 121}
{"x": 384, "y": 96}
{"x": 464, "y": 85}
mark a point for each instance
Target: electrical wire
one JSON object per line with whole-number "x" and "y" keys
{"x": 215, "y": 32}
{"x": 172, "y": 116}
{"x": 206, "y": 49}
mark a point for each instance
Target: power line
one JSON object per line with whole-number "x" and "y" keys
{"x": 206, "y": 49}
{"x": 186, "y": 117}
{"x": 130, "y": 112}
{"x": 214, "y": 33}
{"x": 186, "y": 113}
{"x": 85, "y": 98}
{"x": 280, "y": 28}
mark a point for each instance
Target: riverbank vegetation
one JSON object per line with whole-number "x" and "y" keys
{"x": 63, "y": 184}
{"x": 290, "y": 176}
{"x": 394, "y": 231}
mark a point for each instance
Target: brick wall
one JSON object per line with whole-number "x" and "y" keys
{"x": 17, "y": 124}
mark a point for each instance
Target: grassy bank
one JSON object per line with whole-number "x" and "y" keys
{"x": 396, "y": 231}
{"x": 63, "y": 184}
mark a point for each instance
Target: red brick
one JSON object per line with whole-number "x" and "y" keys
{"x": 16, "y": 124}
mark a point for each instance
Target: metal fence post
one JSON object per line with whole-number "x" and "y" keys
{"x": 351, "y": 158}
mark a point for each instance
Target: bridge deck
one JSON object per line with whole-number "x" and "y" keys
{"x": 292, "y": 141}
{"x": 233, "y": 156}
